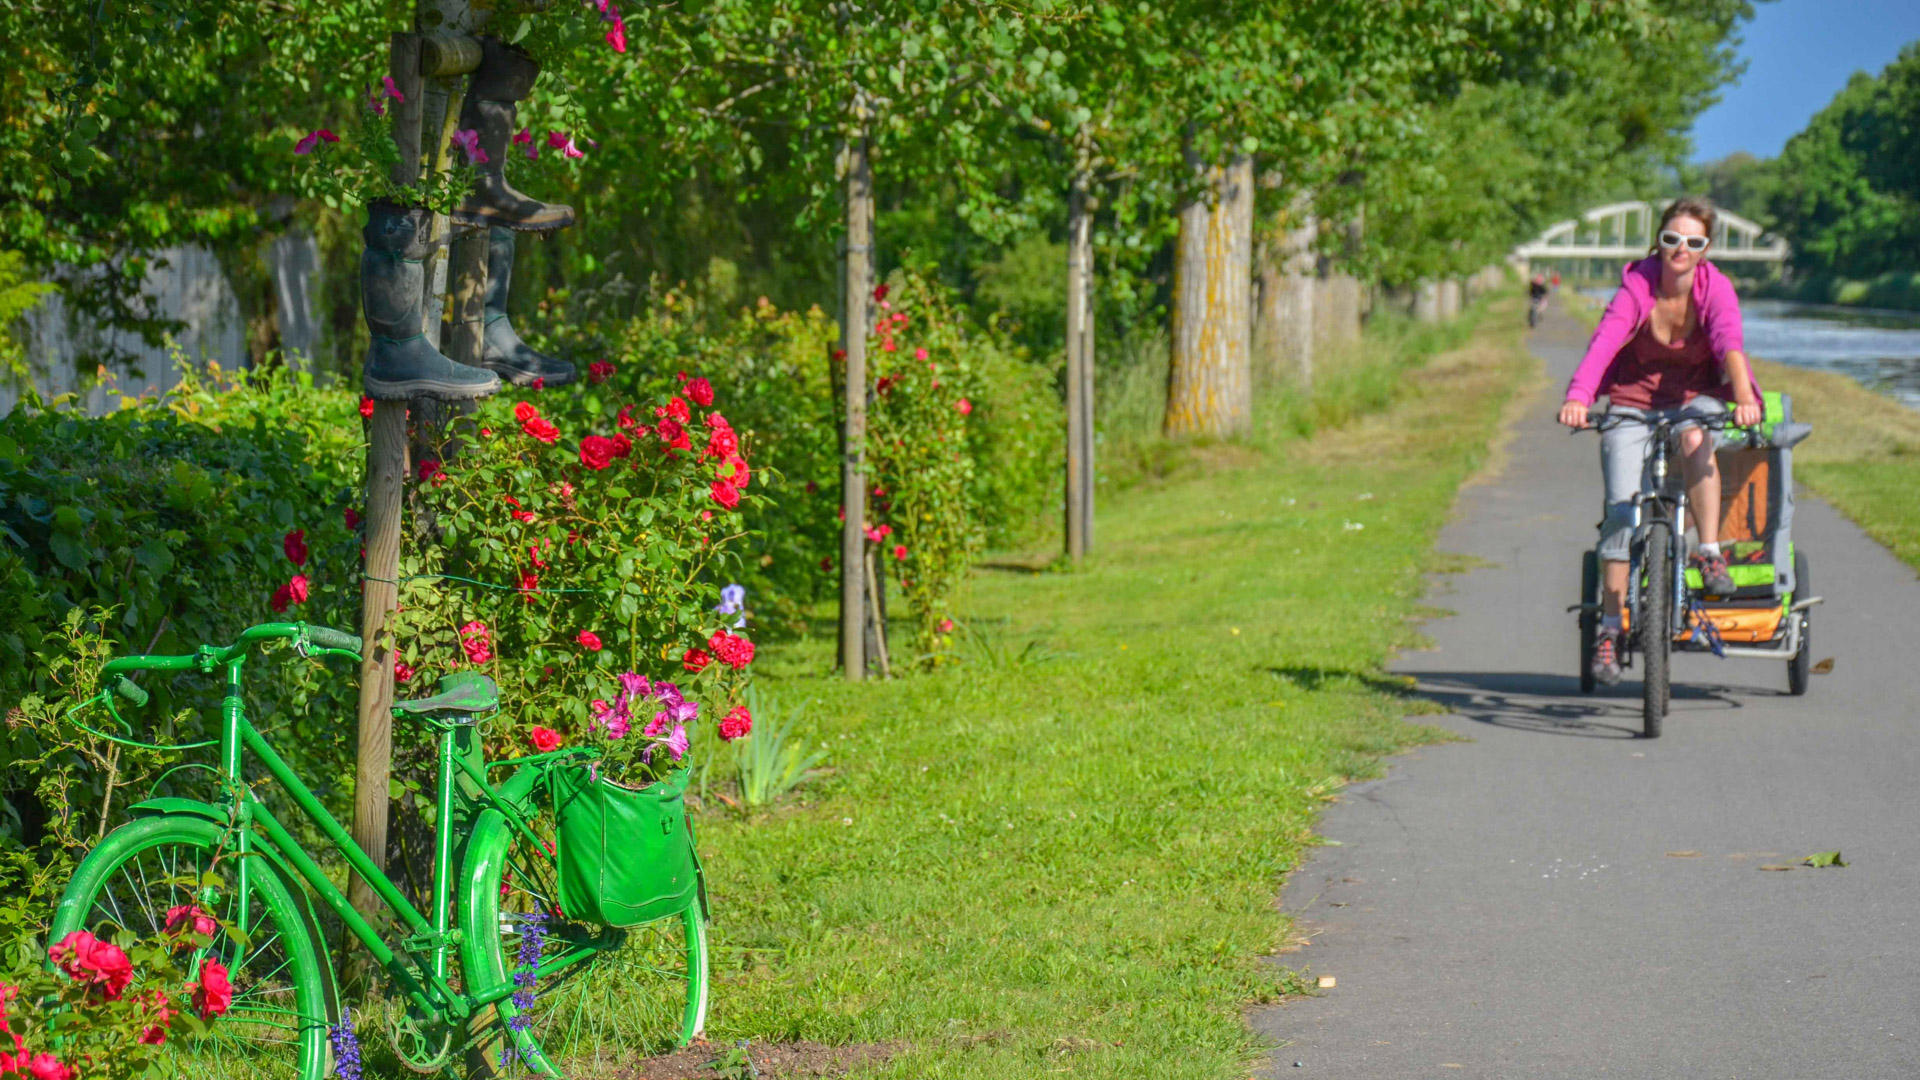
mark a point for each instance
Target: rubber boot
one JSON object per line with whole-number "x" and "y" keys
{"x": 504, "y": 78}
{"x": 516, "y": 361}
{"x": 401, "y": 365}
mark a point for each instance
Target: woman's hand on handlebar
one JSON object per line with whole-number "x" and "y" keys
{"x": 1574, "y": 415}
{"x": 1747, "y": 413}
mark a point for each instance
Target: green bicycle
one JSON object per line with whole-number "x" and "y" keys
{"x": 494, "y": 976}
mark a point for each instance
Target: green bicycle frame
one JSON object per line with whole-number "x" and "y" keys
{"x": 425, "y": 984}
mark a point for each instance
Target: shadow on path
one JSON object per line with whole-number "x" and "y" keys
{"x": 1554, "y": 705}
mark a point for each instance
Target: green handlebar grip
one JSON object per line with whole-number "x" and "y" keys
{"x": 333, "y": 639}
{"x": 130, "y": 690}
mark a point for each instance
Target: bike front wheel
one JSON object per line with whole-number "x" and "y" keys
{"x": 283, "y": 1005}
{"x": 642, "y": 989}
{"x": 1655, "y": 628}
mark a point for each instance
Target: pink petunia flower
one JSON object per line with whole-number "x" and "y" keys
{"x": 563, "y": 142}
{"x": 525, "y": 139}
{"x": 469, "y": 142}
{"x": 314, "y": 139}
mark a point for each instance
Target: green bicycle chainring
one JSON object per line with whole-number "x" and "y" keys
{"x": 422, "y": 1044}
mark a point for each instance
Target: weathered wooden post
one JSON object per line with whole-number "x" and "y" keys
{"x": 1079, "y": 496}
{"x": 857, "y": 293}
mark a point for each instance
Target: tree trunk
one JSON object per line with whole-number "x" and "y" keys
{"x": 1079, "y": 496}
{"x": 856, "y": 292}
{"x": 1283, "y": 329}
{"x": 1209, "y": 375}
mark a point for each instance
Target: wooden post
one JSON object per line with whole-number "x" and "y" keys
{"x": 857, "y": 292}
{"x": 1079, "y": 497}
{"x": 386, "y": 470}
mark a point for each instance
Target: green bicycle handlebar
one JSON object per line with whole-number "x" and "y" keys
{"x": 130, "y": 690}
{"x": 209, "y": 657}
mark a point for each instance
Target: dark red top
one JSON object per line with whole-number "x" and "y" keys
{"x": 1649, "y": 375}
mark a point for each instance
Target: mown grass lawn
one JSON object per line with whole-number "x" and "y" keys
{"x": 1069, "y": 862}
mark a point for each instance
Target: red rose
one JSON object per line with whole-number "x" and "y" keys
{"x": 295, "y": 545}
{"x": 529, "y": 581}
{"x": 737, "y": 725}
{"x": 213, "y": 996}
{"x": 188, "y": 917}
{"x": 353, "y": 518}
{"x": 671, "y": 432}
{"x": 588, "y": 640}
{"x": 622, "y": 446}
{"x": 677, "y": 409}
{"x": 695, "y": 660}
{"x": 879, "y": 292}
{"x": 733, "y": 650}
{"x": 599, "y": 371}
{"x": 596, "y": 452}
{"x": 366, "y": 407}
{"x": 544, "y": 740}
{"x": 297, "y": 588}
{"x": 542, "y": 430}
{"x": 44, "y": 1066}
{"x": 725, "y": 494}
{"x": 826, "y": 566}
{"x": 401, "y": 672}
{"x": 701, "y": 391}
{"x": 540, "y": 383}
{"x": 722, "y": 443}
{"x": 900, "y": 551}
{"x": 524, "y": 412}
{"x": 715, "y": 420}
{"x": 739, "y": 475}
{"x": 625, "y": 420}
{"x": 94, "y": 962}
{"x": 964, "y": 406}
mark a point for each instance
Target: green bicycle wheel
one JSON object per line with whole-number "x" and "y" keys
{"x": 644, "y": 989}
{"x": 282, "y": 995}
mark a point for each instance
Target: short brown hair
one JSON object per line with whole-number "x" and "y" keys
{"x": 1698, "y": 207}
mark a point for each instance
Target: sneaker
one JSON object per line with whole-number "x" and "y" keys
{"x": 1714, "y": 580}
{"x": 1606, "y": 658}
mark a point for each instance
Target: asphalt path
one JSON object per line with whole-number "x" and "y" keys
{"x": 1557, "y": 897}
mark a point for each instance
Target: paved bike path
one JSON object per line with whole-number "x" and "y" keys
{"x": 1508, "y": 907}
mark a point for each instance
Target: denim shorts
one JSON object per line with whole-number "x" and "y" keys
{"x": 1623, "y": 465}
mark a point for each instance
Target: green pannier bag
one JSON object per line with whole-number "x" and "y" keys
{"x": 626, "y": 854}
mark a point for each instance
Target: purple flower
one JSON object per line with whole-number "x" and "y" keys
{"x": 469, "y": 141}
{"x": 617, "y": 727}
{"x": 634, "y": 685}
{"x": 682, "y": 712}
{"x": 677, "y": 742}
{"x": 732, "y": 599}
{"x": 666, "y": 693}
{"x": 346, "y": 1047}
{"x": 314, "y": 139}
{"x": 658, "y": 724}
{"x": 390, "y": 90}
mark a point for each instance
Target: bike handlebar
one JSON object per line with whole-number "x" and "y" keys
{"x": 327, "y": 642}
{"x": 130, "y": 690}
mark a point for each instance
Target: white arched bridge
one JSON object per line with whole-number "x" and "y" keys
{"x": 1624, "y": 230}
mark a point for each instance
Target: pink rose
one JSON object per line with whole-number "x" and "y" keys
{"x": 213, "y": 995}
{"x": 737, "y": 724}
{"x": 544, "y": 740}
{"x": 89, "y": 960}
{"x": 588, "y": 640}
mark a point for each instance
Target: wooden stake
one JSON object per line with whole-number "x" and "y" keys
{"x": 1079, "y": 369}
{"x": 857, "y": 292}
{"x": 876, "y": 620}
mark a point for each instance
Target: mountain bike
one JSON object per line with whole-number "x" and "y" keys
{"x": 493, "y": 972}
{"x": 1768, "y": 614}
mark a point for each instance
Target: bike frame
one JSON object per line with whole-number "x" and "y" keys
{"x": 1667, "y": 501}
{"x": 255, "y": 825}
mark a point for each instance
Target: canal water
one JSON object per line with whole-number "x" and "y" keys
{"x": 1880, "y": 349}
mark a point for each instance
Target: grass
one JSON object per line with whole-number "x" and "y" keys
{"x": 1067, "y": 860}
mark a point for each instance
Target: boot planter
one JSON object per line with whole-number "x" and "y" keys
{"x": 516, "y": 361}
{"x": 503, "y": 80}
{"x": 401, "y": 365}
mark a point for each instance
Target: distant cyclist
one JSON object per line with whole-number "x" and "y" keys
{"x": 1669, "y": 347}
{"x": 1536, "y": 298}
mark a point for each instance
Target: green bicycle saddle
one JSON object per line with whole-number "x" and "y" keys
{"x": 461, "y": 692}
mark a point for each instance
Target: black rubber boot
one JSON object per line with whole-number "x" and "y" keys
{"x": 401, "y": 365}
{"x": 504, "y": 78}
{"x": 516, "y": 361}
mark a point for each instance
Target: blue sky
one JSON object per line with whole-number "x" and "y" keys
{"x": 1799, "y": 54}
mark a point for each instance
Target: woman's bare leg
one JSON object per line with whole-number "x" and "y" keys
{"x": 1613, "y": 587}
{"x": 1703, "y": 483}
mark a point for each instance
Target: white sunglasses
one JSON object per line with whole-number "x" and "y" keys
{"x": 1671, "y": 239}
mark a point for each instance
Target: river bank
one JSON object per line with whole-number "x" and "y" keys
{"x": 1896, "y": 291}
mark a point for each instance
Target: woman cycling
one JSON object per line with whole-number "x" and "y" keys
{"x": 1668, "y": 347}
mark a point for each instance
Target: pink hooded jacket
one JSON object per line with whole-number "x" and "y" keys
{"x": 1713, "y": 299}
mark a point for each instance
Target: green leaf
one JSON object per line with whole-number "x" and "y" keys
{"x": 1826, "y": 858}
{"x": 69, "y": 551}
